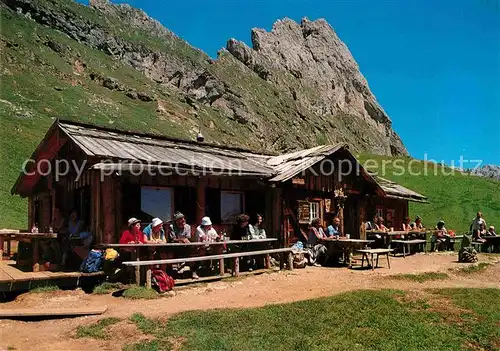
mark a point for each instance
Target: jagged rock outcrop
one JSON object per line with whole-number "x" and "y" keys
{"x": 309, "y": 61}
{"x": 298, "y": 86}
{"x": 487, "y": 171}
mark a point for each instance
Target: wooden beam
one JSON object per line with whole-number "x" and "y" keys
{"x": 107, "y": 199}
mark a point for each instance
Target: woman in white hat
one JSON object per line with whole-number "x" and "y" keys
{"x": 205, "y": 231}
{"x": 154, "y": 233}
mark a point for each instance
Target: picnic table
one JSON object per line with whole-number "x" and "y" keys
{"x": 389, "y": 236}
{"x": 347, "y": 246}
{"x": 32, "y": 238}
{"x": 493, "y": 242}
{"x": 373, "y": 252}
{"x": 137, "y": 248}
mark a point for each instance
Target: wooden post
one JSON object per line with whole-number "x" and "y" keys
{"x": 118, "y": 209}
{"x": 290, "y": 260}
{"x": 282, "y": 260}
{"x": 236, "y": 266}
{"x": 221, "y": 267}
{"x": 137, "y": 268}
{"x": 108, "y": 210}
{"x": 148, "y": 278}
{"x": 30, "y": 212}
{"x": 200, "y": 199}
{"x": 36, "y": 256}
{"x": 268, "y": 261}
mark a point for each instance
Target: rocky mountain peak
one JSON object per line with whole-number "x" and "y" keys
{"x": 317, "y": 69}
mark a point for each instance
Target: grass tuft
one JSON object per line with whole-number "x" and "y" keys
{"x": 96, "y": 330}
{"x": 140, "y": 292}
{"x": 107, "y": 288}
{"x": 45, "y": 289}
{"x": 476, "y": 268}
{"x": 421, "y": 277}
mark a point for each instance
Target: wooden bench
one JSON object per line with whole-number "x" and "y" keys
{"x": 409, "y": 243}
{"x": 372, "y": 252}
{"x": 286, "y": 254}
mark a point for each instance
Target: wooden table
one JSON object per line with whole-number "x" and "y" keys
{"x": 377, "y": 252}
{"x": 346, "y": 245}
{"x": 388, "y": 236}
{"x": 493, "y": 242}
{"x": 137, "y": 247}
{"x": 409, "y": 243}
{"x": 34, "y": 239}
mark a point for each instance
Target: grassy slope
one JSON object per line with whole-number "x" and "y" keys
{"x": 362, "y": 320}
{"x": 454, "y": 198}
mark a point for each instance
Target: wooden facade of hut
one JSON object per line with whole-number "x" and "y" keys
{"x": 114, "y": 175}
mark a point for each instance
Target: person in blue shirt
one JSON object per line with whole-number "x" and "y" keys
{"x": 334, "y": 228}
{"x": 154, "y": 233}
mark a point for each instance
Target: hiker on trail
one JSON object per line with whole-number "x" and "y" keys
{"x": 406, "y": 224}
{"x": 476, "y": 223}
{"x": 440, "y": 237}
{"x": 154, "y": 233}
{"x": 133, "y": 234}
{"x": 258, "y": 229}
{"x": 179, "y": 231}
{"x": 205, "y": 232}
{"x": 334, "y": 228}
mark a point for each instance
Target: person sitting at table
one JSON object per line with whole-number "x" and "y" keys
{"x": 55, "y": 250}
{"x": 381, "y": 225}
{"x": 258, "y": 229}
{"x": 334, "y": 228}
{"x": 480, "y": 233}
{"x": 153, "y": 232}
{"x": 316, "y": 249}
{"x": 205, "y": 232}
{"x": 491, "y": 231}
{"x": 179, "y": 231}
{"x": 406, "y": 224}
{"x": 78, "y": 230}
{"x": 242, "y": 229}
{"x": 417, "y": 225}
{"x": 133, "y": 234}
{"x": 373, "y": 225}
{"x": 440, "y": 237}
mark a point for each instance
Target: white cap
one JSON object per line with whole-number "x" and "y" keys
{"x": 156, "y": 221}
{"x": 133, "y": 221}
{"x": 492, "y": 227}
{"x": 206, "y": 221}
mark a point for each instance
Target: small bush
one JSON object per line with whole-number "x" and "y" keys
{"x": 45, "y": 289}
{"x": 96, "y": 330}
{"x": 107, "y": 288}
{"x": 476, "y": 268}
{"x": 421, "y": 277}
{"x": 140, "y": 292}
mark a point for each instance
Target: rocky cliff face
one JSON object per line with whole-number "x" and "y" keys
{"x": 298, "y": 86}
{"x": 310, "y": 62}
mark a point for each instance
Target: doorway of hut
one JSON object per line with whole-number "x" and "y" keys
{"x": 351, "y": 217}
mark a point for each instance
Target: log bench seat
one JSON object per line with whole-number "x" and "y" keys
{"x": 404, "y": 243}
{"x": 285, "y": 255}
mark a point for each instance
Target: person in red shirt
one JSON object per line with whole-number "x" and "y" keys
{"x": 133, "y": 235}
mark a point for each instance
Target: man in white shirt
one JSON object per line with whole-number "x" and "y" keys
{"x": 476, "y": 222}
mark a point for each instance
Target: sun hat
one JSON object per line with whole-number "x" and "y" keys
{"x": 206, "y": 221}
{"x": 133, "y": 221}
{"x": 156, "y": 221}
{"x": 178, "y": 215}
{"x": 492, "y": 227}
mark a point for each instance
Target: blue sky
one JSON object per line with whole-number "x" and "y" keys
{"x": 433, "y": 65}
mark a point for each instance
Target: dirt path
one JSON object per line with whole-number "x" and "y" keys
{"x": 311, "y": 282}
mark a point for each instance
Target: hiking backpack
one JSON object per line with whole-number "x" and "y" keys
{"x": 162, "y": 281}
{"x": 93, "y": 262}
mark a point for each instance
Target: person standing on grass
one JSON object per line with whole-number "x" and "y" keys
{"x": 476, "y": 223}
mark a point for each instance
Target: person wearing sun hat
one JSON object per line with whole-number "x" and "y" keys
{"x": 491, "y": 231}
{"x": 154, "y": 232}
{"x": 205, "y": 231}
{"x": 179, "y": 230}
{"x": 133, "y": 234}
